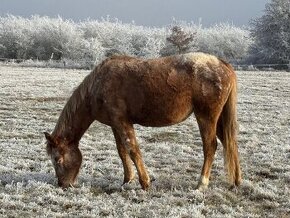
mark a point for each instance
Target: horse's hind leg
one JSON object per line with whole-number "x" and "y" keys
{"x": 127, "y": 135}
{"x": 208, "y": 134}
{"x": 126, "y": 160}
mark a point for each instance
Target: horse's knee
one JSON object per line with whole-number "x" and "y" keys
{"x": 128, "y": 145}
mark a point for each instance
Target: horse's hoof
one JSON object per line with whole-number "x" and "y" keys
{"x": 234, "y": 189}
{"x": 127, "y": 184}
{"x": 145, "y": 185}
{"x": 201, "y": 187}
{"x": 152, "y": 178}
{"x": 128, "y": 181}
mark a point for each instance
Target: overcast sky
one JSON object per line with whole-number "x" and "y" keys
{"x": 142, "y": 12}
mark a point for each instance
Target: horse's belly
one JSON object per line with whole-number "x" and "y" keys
{"x": 164, "y": 113}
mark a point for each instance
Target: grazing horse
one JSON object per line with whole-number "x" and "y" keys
{"x": 122, "y": 91}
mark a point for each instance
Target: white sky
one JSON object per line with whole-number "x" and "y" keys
{"x": 142, "y": 12}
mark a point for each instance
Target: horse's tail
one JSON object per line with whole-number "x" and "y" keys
{"x": 227, "y": 133}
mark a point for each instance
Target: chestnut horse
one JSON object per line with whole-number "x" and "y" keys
{"x": 122, "y": 91}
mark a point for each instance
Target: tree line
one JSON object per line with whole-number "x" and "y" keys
{"x": 267, "y": 40}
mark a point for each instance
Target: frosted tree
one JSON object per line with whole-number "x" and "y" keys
{"x": 86, "y": 42}
{"x": 114, "y": 36}
{"x": 271, "y": 33}
{"x": 147, "y": 42}
{"x": 180, "y": 39}
{"x": 226, "y": 41}
{"x": 50, "y": 37}
{"x": 13, "y": 37}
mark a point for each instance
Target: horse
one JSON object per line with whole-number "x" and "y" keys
{"x": 122, "y": 91}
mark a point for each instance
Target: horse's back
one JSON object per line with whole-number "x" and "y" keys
{"x": 162, "y": 91}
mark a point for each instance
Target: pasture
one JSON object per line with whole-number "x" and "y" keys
{"x": 31, "y": 100}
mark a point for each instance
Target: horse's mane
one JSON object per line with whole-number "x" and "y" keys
{"x": 77, "y": 98}
{"x": 80, "y": 94}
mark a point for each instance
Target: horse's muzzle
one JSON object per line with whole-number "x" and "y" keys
{"x": 65, "y": 185}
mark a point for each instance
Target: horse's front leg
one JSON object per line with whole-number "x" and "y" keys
{"x": 127, "y": 135}
{"x": 129, "y": 174}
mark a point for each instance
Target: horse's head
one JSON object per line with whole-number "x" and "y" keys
{"x": 66, "y": 158}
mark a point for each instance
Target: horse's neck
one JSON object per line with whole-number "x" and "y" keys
{"x": 75, "y": 118}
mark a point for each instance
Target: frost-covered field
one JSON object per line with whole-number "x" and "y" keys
{"x": 31, "y": 100}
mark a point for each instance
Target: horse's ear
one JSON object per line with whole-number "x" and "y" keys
{"x": 49, "y": 137}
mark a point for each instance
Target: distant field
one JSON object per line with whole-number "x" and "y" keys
{"x": 31, "y": 100}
